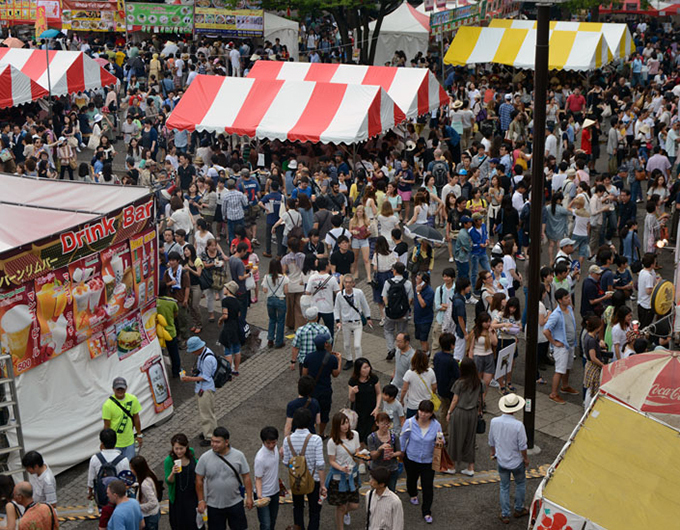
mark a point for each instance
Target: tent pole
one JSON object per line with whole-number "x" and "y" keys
{"x": 537, "y": 186}
{"x": 49, "y": 80}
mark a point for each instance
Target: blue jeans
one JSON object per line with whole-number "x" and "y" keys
{"x": 463, "y": 269}
{"x": 151, "y": 521}
{"x": 231, "y": 227}
{"x": 478, "y": 261}
{"x": 635, "y": 190}
{"x": 520, "y": 488}
{"x": 128, "y": 452}
{"x": 276, "y": 309}
{"x": 267, "y": 515}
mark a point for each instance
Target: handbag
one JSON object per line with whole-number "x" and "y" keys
{"x": 73, "y": 163}
{"x": 640, "y": 175}
{"x": 373, "y": 228}
{"x": 364, "y": 320}
{"x": 352, "y": 416}
{"x": 436, "y": 401}
{"x": 441, "y": 461}
{"x": 481, "y": 422}
{"x": 219, "y": 278}
{"x": 205, "y": 280}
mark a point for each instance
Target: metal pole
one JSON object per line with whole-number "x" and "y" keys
{"x": 537, "y": 186}
{"x": 49, "y": 80}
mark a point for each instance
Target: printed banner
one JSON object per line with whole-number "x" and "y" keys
{"x": 158, "y": 383}
{"x": 40, "y": 21}
{"x": 87, "y": 288}
{"x": 20, "y": 330}
{"x": 218, "y": 17}
{"x": 92, "y": 16}
{"x": 452, "y": 19}
{"x": 144, "y": 252}
{"x": 130, "y": 335}
{"x": 118, "y": 279}
{"x": 14, "y": 12}
{"x": 31, "y": 261}
{"x": 55, "y": 312}
{"x": 159, "y": 18}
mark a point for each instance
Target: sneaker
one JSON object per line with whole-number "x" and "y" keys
{"x": 347, "y": 519}
{"x": 557, "y": 399}
{"x": 468, "y": 473}
{"x": 570, "y": 390}
{"x": 494, "y": 384}
{"x": 450, "y": 260}
{"x": 390, "y": 355}
{"x": 255, "y": 243}
{"x": 362, "y": 469}
{"x": 266, "y": 254}
{"x": 348, "y": 365}
{"x": 414, "y": 501}
{"x": 523, "y": 512}
{"x": 520, "y": 257}
{"x": 428, "y": 519}
{"x": 504, "y": 519}
{"x": 632, "y": 297}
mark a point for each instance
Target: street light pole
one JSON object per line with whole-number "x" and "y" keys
{"x": 537, "y": 194}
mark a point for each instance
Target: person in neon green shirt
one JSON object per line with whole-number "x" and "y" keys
{"x": 121, "y": 413}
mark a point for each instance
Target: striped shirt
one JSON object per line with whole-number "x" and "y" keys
{"x": 386, "y": 511}
{"x": 313, "y": 452}
{"x": 233, "y": 205}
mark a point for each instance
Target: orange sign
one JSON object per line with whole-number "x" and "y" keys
{"x": 40, "y": 21}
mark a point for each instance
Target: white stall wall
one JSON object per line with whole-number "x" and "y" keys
{"x": 60, "y": 402}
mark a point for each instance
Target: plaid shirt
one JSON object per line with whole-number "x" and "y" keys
{"x": 304, "y": 339}
{"x": 233, "y": 205}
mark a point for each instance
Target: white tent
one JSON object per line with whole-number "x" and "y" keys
{"x": 287, "y": 31}
{"x": 404, "y": 29}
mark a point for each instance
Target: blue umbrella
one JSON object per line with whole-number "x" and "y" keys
{"x": 50, "y": 34}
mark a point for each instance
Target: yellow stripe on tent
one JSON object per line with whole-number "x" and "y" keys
{"x": 463, "y": 45}
{"x": 509, "y": 47}
{"x": 590, "y": 26}
{"x": 501, "y": 23}
{"x": 561, "y": 43}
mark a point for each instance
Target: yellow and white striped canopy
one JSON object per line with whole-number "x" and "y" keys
{"x": 569, "y": 50}
{"x": 617, "y": 36}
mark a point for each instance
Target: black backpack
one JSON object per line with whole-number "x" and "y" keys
{"x": 480, "y": 306}
{"x": 106, "y": 474}
{"x": 222, "y": 374}
{"x": 440, "y": 173}
{"x": 397, "y": 300}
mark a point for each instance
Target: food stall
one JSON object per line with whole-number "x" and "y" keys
{"x": 78, "y": 283}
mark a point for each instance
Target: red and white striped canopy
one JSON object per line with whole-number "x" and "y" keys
{"x": 70, "y": 72}
{"x": 17, "y": 88}
{"x": 415, "y": 90}
{"x": 285, "y": 110}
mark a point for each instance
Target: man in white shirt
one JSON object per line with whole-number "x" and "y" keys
{"x": 108, "y": 453}
{"x": 383, "y": 507}
{"x": 451, "y": 187}
{"x": 518, "y": 196}
{"x": 550, "y": 143}
{"x": 647, "y": 280}
{"x": 559, "y": 177}
{"x": 508, "y": 443}
{"x": 350, "y": 306}
{"x": 322, "y": 287}
{"x": 235, "y": 58}
{"x": 396, "y": 318}
{"x": 266, "y": 469}
{"x": 41, "y": 478}
{"x": 313, "y": 453}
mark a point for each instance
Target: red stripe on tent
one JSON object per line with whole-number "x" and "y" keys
{"x": 319, "y": 113}
{"x": 255, "y": 106}
{"x": 443, "y": 96}
{"x": 36, "y": 65}
{"x": 106, "y": 77}
{"x": 196, "y": 103}
{"x": 380, "y": 75}
{"x": 3, "y": 52}
{"x": 75, "y": 76}
{"x": 37, "y": 91}
{"x": 321, "y": 72}
{"x": 266, "y": 69}
{"x": 374, "y": 116}
{"x": 424, "y": 98}
{"x": 6, "y": 99}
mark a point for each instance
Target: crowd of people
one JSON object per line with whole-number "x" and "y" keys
{"x": 329, "y": 221}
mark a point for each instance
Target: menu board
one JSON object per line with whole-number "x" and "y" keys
{"x": 159, "y": 18}
{"x": 25, "y": 11}
{"x": 92, "y": 16}
{"x": 218, "y": 17}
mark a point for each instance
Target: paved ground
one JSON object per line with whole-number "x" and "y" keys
{"x": 258, "y": 396}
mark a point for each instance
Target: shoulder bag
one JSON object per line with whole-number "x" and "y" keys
{"x": 436, "y": 401}
{"x": 241, "y": 487}
{"x": 121, "y": 407}
{"x": 364, "y": 320}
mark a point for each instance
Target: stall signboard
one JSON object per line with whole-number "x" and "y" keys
{"x": 452, "y": 19}
{"x": 92, "y": 16}
{"x": 159, "y": 18}
{"x": 13, "y": 12}
{"x": 95, "y": 284}
{"x": 220, "y": 18}
{"x": 158, "y": 382}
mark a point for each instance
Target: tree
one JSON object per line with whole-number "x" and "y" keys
{"x": 351, "y": 16}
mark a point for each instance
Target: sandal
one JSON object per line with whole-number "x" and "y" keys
{"x": 197, "y": 330}
{"x": 193, "y": 330}
{"x": 541, "y": 381}
{"x": 211, "y": 319}
{"x": 511, "y": 388}
{"x": 505, "y": 391}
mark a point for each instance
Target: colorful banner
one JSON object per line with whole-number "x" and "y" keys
{"x": 159, "y": 18}
{"x": 20, "y": 330}
{"x": 40, "y": 21}
{"x": 153, "y": 368}
{"x": 49, "y": 254}
{"x": 144, "y": 254}
{"x": 55, "y": 315}
{"x": 14, "y": 12}
{"x": 92, "y": 16}
{"x": 452, "y": 19}
{"x": 218, "y": 17}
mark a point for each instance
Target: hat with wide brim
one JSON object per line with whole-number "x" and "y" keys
{"x": 588, "y": 122}
{"x": 410, "y": 145}
{"x": 511, "y": 403}
{"x": 457, "y": 104}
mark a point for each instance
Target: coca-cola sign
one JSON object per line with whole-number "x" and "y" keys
{"x": 663, "y": 396}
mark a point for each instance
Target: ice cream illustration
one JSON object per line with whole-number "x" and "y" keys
{"x": 82, "y": 295}
{"x": 16, "y": 323}
{"x": 59, "y": 333}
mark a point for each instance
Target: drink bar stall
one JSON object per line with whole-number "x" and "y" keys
{"x": 78, "y": 284}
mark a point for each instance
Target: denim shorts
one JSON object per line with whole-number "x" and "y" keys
{"x": 423, "y": 331}
{"x": 359, "y": 243}
{"x": 582, "y": 246}
{"x": 232, "y": 349}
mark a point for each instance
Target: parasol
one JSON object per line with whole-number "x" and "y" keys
{"x": 424, "y": 232}
{"x": 13, "y": 42}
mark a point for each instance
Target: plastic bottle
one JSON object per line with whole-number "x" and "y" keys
{"x": 205, "y": 515}
{"x": 322, "y": 498}
{"x": 91, "y": 507}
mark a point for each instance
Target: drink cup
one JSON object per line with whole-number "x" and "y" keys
{"x": 118, "y": 268}
{"x": 178, "y": 463}
{"x": 16, "y": 323}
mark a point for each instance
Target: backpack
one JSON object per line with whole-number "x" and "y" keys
{"x": 397, "y": 300}
{"x": 300, "y": 480}
{"x": 480, "y": 306}
{"x": 106, "y": 474}
{"x": 223, "y": 372}
{"x": 440, "y": 173}
{"x": 335, "y": 239}
{"x": 296, "y": 231}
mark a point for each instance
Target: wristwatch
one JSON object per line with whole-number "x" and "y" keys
{"x": 139, "y": 436}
